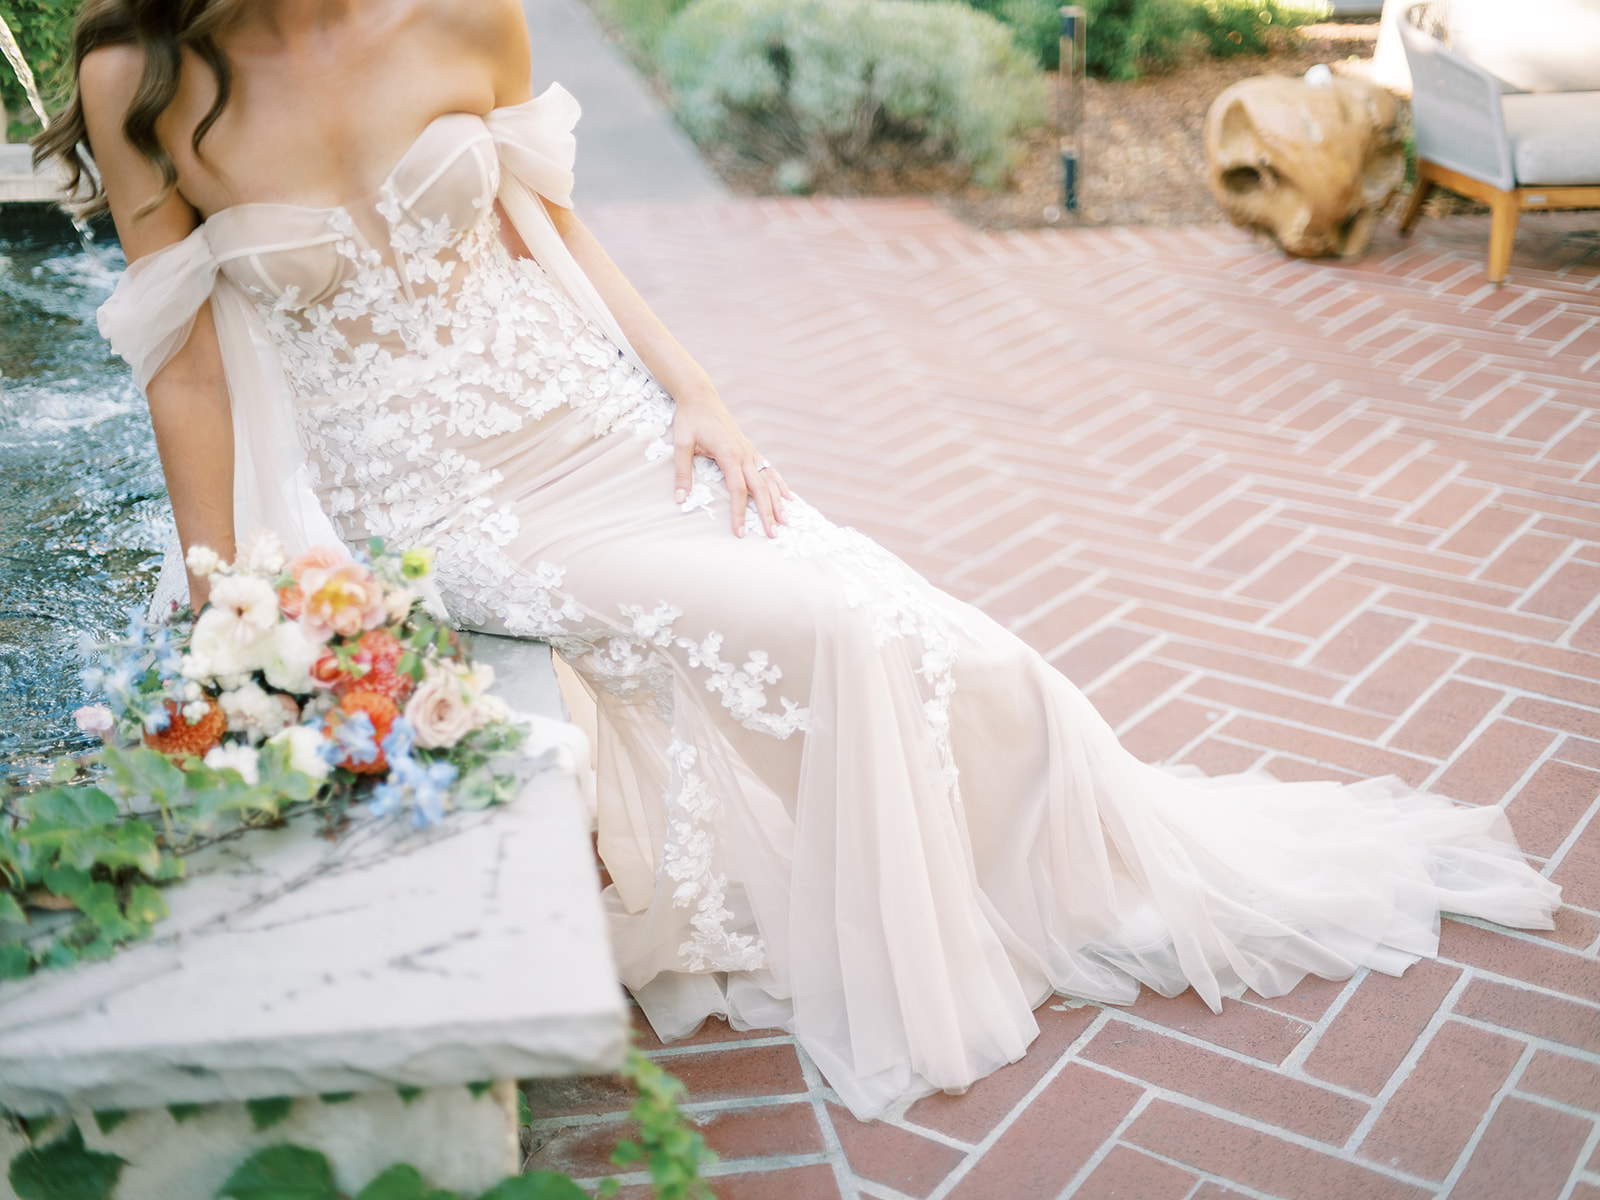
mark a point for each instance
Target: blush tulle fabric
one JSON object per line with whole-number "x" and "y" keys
{"x": 832, "y": 798}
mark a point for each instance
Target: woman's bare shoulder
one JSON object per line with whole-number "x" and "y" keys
{"x": 109, "y": 77}
{"x": 495, "y": 31}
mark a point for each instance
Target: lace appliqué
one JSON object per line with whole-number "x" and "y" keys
{"x": 691, "y": 810}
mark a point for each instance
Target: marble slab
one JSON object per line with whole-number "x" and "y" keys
{"x": 292, "y": 965}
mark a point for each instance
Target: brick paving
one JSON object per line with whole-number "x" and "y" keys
{"x": 1329, "y": 520}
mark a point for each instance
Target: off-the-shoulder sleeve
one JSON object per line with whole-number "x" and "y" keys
{"x": 148, "y": 318}
{"x": 537, "y": 149}
{"x": 536, "y": 142}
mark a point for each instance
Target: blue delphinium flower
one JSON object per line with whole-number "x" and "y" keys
{"x": 401, "y": 738}
{"x": 357, "y": 738}
{"x": 425, "y": 786}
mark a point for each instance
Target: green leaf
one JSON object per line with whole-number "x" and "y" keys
{"x": 536, "y": 1185}
{"x": 524, "y": 1113}
{"x": 480, "y": 1087}
{"x": 15, "y": 961}
{"x": 72, "y": 808}
{"x": 145, "y": 907}
{"x": 400, "y": 1182}
{"x": 107, "y": 1119}
{"x": 282, "y": 1173}
{"x": 182, "y": 1112}
{"x": 10, "y": 910}
{"x": 408, "y": 1094}
{"x": 337, "y": 1097}
{"x": 268, "y": 1112}
{"x": 65, "y": 1170}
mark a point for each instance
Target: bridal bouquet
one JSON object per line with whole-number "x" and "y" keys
{"x": 317, "y": 677}
{"x": 321, "y": 681}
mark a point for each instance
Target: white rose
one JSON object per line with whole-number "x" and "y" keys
{"x": 253, "y": 710}
{"x": 305, "y": 750}
{"x": 264, "y": 553}
{"x": 251, "y": 601}
{"x": 441, "y": 711}
{"x": 289, "y": 657}
{"x": 218, "y": 648}
{"x": 202, "y": 561}
{"x": 397, "y": 603}
{"x": 242, "y": 759}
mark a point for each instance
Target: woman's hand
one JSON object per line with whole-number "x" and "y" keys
{"x": 704, "y": 426}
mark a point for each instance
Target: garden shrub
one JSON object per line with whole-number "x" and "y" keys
{"x": 1243, "y": 26}
{"x": 820, "y": 83}
{"x": 44, "y": 31}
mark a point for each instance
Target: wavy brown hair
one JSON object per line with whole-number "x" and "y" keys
{"x": 162, "y": 29}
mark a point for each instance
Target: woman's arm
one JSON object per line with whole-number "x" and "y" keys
{"x": 703, "y": 425}
{"x": 188, "y": 397}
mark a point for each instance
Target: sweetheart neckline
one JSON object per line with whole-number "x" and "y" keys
{"x": 483, "y": 119}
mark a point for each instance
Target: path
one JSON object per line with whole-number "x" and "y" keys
{"x": 1328, "y": 520}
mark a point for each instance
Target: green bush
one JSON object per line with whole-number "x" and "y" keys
{"x": 1126, "y": 36}
{"x": 1242, "y": 26}
{"x": 44, "y": 31}
{"x": 825, "y": 82}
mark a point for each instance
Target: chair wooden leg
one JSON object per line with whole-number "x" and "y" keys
{"x": 1419, "y": 196}
{"x": 1502, "y": 232}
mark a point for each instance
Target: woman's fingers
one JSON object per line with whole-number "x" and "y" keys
{"x": 764, "y": 495}
{"x": 738, "y": 493}
{"x": 682, "y": 470}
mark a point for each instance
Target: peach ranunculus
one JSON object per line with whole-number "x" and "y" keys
{"x": 342, "y": 600}
{"x": 291, "y": 598}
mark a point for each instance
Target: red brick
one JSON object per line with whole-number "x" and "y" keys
{"x": 1244, "y": 1028}
{"x": 1524, "y": 560}
{"x": 1053, "y": 1137}
{"x": 889, "y": 1155}
{"x": 1131, "y": 689}
{"x": 1413, "y": 479}
{"x": 714, "y": 1032}
{"x": 1569, "y": 1080}
{"x": 1337, "y": 718}
{"x": 1167, "y": 730}
{"x": 1445, "y": 719}
{"x": 737, "y": 1071}
{"x": 1579, "y": 869}
{"x": 1309, "y": 999}
{"x": 1323, "y": 607}
{"x": 1092, "y": 657}
{"x": 814, "y": 1182}
{"x": 1545, "y": 811}
{"x": 582, "y": 1151}
{"x": 1297, "y": 770}
{"x": 1567, "y": 593}
{"x": 1287, "y": 576}
{"x": 1125, "y": 1174}
{"x": 970, "y": 1117}
{"x": 1251, "y": 550}
{"x": 1586, "y": 1191}
{"x": 1542, "y": 1016}
{"x": 1363, "y": 639}
{"x": 1395, "y": 683}
{"x": 1427, "y": 1123}
{"x": 1447, "y": 506}
{"x": 1528, "y": 1151}
{"x": 1483, "y": 534}
{"x": 1226, "y": 1082}
{"x": 1492, "y": 764}
{"x": 1312, "y": 744}
{"x": 1259, "y": 1160}
{"x": 1572, "y": 928}
{"x": 1530, "y": 961}
{"x": 564, "y": 1096}
{"x": 1033, "y": 593}
{"x": 1378, "y": 1025}
{"x": 1214, "y": 756}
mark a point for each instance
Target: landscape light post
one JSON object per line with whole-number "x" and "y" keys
{"x": 1069, "y": 102}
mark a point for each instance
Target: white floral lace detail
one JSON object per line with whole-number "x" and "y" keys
{"x": 691, "y": 811}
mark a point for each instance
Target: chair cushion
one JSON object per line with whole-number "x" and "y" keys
{"x": 1555, "y": 137}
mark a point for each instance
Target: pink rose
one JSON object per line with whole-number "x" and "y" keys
{"x": 441, "y": 711}
{"x": 342, "y": 600}
{"x": 291, "y": 598}
{"x": 96, "y": 719}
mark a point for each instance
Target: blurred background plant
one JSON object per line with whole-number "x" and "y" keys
{"x": 826, "y": 84}
{"x": 44, "y": 31}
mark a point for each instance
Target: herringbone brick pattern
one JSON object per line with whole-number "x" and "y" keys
{"x": 1330, "y": 520}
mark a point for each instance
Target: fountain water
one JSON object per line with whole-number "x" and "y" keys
{"x": 13, "y": 52}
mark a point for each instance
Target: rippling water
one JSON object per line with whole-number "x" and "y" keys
{"x": 83, "y": 509}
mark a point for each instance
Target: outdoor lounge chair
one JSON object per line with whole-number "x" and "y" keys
{"x": 1526, "y": 150}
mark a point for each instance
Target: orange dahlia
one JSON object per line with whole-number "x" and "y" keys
{"x": 180, "y": 738}
{"x": 380, "y": 653}
{"x": 381, "y": 710}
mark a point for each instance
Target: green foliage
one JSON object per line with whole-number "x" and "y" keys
{"x": 107, "y": 1119}
{"x": 536, "y": 1185}
{"x": 1126, "y": 37}
{"x": 1243, "y": 26}
{"x": 826, "y": 82}
{"x": 667, "y": 1145}
{"x": 182, "y": 1112}
{"x": 44, "y": 31}
{"x": 282, "y": 1172}
{"x": 264, "y": 1114}
{"x": 65, "y": 1170}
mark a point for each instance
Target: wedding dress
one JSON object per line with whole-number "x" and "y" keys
{"x": 832, "y": 799}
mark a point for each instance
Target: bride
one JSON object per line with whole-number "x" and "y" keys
{"x": 831, "y": 798}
